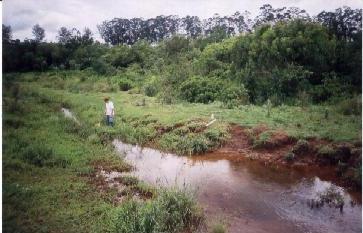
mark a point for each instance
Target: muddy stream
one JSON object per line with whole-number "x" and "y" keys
{"x": 246, "y": 195}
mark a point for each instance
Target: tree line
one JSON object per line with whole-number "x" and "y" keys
{"x": 282, "y": 54}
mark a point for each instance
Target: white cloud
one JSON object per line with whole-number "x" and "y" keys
{"x": 53, "y": 14}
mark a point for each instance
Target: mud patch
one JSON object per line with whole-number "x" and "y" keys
{"x": 119, "y": 186}
{"x": 277, "y": 148}
{"x": 111, "y": 166}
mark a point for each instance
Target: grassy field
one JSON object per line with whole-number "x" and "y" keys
{"x": 86, "y": 100}
{"x": 48, "y": 165}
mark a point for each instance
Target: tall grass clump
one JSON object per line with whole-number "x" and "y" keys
{"x": 351, "y": 106}
{"x": 219, "y": 228}
{"x": 171, "y": 211}
{"x": 41, "y": 155}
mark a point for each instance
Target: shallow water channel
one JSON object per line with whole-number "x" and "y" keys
{"x": 246, "y": 195}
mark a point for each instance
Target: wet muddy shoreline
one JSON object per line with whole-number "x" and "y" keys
{"x": 246, "y": 191}
{"x": 247, "y": 195}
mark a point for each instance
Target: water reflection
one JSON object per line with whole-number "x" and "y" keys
{"x": 253, "y": 197}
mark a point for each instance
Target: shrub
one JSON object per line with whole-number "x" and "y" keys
{"x": 70, "y": 126}
{"x": 177, "y": 210}
{"x": 218, "y": 228}
{"x": 184, "y": 144}
{"x": 326, "y": 154}
{"x": 201, "y": 89}
{"x": 129, "y": 218}
{"x": 233, "y": 96}
{"x": 357, "y": 177}
{"x": 37, "y": 155}
{"x": 172, "y": 211}
{"x": 100, "y": 66}
{"x": 128, "y": 180}
{"x": 13, "y": 122}
{"x": 302, "y": 146}
{"x": 351, "y": 106}
{"x": 150, "y": 89}
{"x": 262, "y": 140}
{"x": 104, "y": 87}
{"x": 125, "y": 85}
{"x": 40, "y": 155}
{"x": 290, "y": 156}
{"x": 166, "y": 97}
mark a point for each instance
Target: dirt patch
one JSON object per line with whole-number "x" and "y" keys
{"x": 111, "y": 166}
{"x": 242, "y": 142}
{"x": 115, "y": 184}
{"x": 275, "y": 147}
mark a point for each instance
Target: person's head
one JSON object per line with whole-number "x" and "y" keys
{"x": 106, "y": 99}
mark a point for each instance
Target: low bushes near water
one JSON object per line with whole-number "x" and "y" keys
{"x": 301, "y": 147}
{"x": 263, "y": 137}
{"x": 334, "y": 154}
{"x": 326, "y": 154}
{"x": 171, "y": 211}
{"x": 290, "y": 156}
{"x": 193, "y": 138}
{"x": 333, "y": 197}
{"x": 219, "y": 228}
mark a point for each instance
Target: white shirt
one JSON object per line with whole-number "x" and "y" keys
{"x": 109, "y": 108}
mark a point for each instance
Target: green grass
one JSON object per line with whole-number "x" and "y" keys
{"x": 48, "y": 164}
{"x": 42, "y": 190}
{"x": 218, "y": 228}
{"x": 171, "y": 211}
{"x": 307, "y": 122}
{"x": 48, "y": 160}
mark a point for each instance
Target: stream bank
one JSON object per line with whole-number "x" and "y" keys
{"x": 248, "y": 195}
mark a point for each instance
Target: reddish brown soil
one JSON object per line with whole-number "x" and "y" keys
{"x": 114, "y": 189}
{"x": 241, "y": 144}
{"x": 240, "y": 147}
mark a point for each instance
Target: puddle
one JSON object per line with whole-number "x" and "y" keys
{"x": 249, "y": 195}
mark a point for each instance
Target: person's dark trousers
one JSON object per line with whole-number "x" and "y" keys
{"x": 109, "y": 120}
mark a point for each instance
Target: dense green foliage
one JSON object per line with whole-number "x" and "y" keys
{"x": 285, "y": 56}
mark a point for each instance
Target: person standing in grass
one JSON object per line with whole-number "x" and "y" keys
{"x": 109, "y": 111}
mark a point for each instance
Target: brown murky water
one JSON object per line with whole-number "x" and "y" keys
{"x": 247, "y": 195}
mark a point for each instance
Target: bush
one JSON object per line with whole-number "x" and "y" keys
{"x": 262, "y": 140}
{"x": 37, "y": 155}
{"x": 326, "y": 154}
{"x": 104, "y": 87}
{"x": 201, "y": 89}
{"x": 171, "y": 211}
{"x": 40, "y": 156}
{"x": 150, "y": 89}
{"x": 289, "y": 157}
{"x": 100, "y": 66}
{"x": 351, "y": 106}
{"x": 302, "y": 146}
{"x": 234, "y": 96}
{"x": 218, "y": 228}
{"x": 125, "y": 85}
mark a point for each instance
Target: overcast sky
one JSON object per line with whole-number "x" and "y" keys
{"x": 21, "y": 15}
